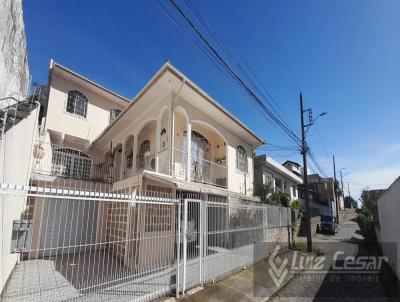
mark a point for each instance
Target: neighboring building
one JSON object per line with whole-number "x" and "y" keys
{"x": 322, "y": 193}
{"x": 279, "y": 177}
{"x": 293, "y": 167}
{"x": 14, "y": 68}
{"x": 388, "y": 226}
{"x": 16, "y": 116}
{"x": 171, "y": 140}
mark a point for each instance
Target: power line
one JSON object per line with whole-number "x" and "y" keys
{"x": 267, "y": 111}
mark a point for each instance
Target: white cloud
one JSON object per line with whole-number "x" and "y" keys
{"x": 375, "y": 167}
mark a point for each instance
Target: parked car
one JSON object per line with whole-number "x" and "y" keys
{"x": 328, "y": 224}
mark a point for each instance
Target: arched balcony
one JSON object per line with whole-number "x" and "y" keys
{"x": 146, "y": 147}
{"x": 207, "y": 155}
{"x": 128, "y": 170}
{"x": 199, "y": 151}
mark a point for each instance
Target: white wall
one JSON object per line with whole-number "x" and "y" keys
{"x": 389, "y": 213}
{"x": 15, "y": 163}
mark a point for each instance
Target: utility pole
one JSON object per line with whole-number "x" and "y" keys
{"x": 335, "y": 188}
{"x": 341, "y": 180}
{"x": 304, "y": 150}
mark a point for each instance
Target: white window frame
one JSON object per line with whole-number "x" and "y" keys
{"x": 244, "y": 166}
{"x": 110, "y": 119}
{"x": 75, "y": 113}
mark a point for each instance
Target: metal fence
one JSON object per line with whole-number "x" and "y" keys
{"x": 95, "y": 245}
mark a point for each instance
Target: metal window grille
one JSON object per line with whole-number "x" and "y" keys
{"x": 241, "y": 159}
{"x": 72, "y": 163}
{"x": 114, "y": 114}
{"x": 77, "y": 103}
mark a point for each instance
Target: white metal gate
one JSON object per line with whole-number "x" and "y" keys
{"x": 91, "y": 245}
{"x": 222, "y": 237}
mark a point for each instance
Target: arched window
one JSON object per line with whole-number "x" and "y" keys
{"x": 77, "y": 103}
{"x": 241, "y": 159}
{"x": 114, "y": 114}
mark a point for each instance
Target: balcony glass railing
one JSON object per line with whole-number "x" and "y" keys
{"x": 201, "y": 170}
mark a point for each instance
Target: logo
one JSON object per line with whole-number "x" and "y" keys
{"x": 277, "y": 270}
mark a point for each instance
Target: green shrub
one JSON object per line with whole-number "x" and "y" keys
{"x": 366, "y": 222}
{"x": 296, "y": 204}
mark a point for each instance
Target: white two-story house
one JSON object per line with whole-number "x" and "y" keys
{"x": 171, "y": 140}
{"x": 171, "y": 137}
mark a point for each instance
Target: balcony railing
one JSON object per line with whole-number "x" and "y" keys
{"x": 206, "y": 171}
{"x": 201, "y": 170}
{"x": 59, "y": 161}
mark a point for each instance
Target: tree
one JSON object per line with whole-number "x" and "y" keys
{"x": 368, "y": 200}
{"x": 350, "y": 202}
{"x": 269, "y": 196}
{"x": 279, "y": 197}
{"x": 263, "y": 191}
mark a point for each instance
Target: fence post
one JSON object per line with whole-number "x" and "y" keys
{"x": 201, "y": 226}
{"x": 178, "y": 252}
{"x": 185, "y": 212}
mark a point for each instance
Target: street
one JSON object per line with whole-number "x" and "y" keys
{"x": 334, "y": 286}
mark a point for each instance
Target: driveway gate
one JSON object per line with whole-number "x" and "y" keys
{"x": 95, "y": 245}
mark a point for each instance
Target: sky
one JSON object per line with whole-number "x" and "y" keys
{"x": 343, "y": 55}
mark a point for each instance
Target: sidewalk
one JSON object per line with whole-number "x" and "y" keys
{"x": 252, "y": 284}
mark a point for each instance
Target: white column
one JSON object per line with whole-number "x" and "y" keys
{"x": 189, "y": 150}
{"x": 172, "y": 139}
{"x": 121, "y": 172}
{"x": 135, "y": 143}
{"x": 157, "y": 142}
{"x": 273, "y": 183}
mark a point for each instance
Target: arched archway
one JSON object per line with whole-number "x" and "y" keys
{"x": 146, "y": 147}
{"x": 128, "y": 158}
{"x": 117, "y": 162}
{"x": 208, "y": 155}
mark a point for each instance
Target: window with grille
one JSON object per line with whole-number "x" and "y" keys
{"x": 241, "y": 159}
{"x": 114, "y": 114}
{"x": 77, "y": 103}
{"x": 70, "y": 163}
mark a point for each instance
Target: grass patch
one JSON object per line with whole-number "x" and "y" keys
{"x": 302, "y": 247}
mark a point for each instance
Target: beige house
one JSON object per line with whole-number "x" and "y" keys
{"x": 172, "y": 135}
{"x": 171, "y": 140}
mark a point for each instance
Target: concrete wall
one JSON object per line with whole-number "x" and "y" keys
{"x": 14, "y": 69}
{"x": 389, "y": 225}
{"x": 15, "y": 163}
{"x": 16, "y": 145}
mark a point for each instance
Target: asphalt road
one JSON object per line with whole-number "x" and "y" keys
{"x": 333, "y": 283}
